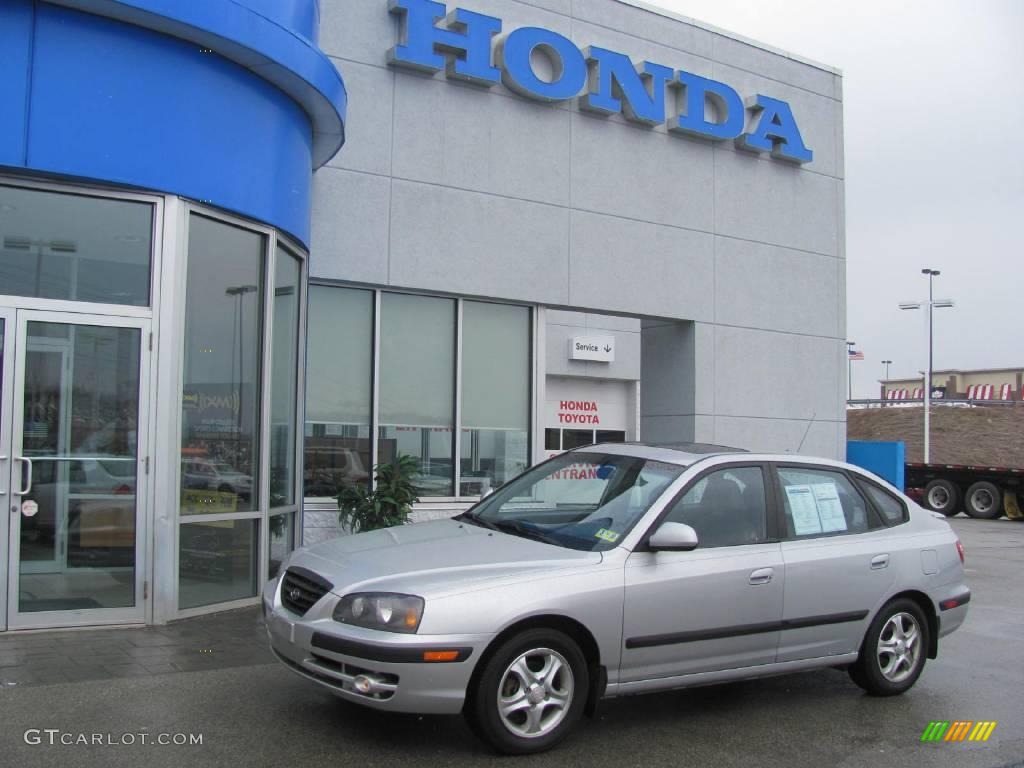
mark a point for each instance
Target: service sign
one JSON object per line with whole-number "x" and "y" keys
{"x": 473, "y": 47}
{"x": 598, "y": 349}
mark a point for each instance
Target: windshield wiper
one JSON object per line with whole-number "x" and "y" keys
{"x": 474, "y": 519}
{"x": 518, "y": 528}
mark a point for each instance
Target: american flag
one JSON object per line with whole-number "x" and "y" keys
{"x": 855, "y": 355}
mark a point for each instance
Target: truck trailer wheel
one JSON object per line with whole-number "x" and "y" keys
{"x": 942, "y": 496}
{"x": 984, "y": 501}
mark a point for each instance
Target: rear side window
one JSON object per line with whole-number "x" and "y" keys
{"x": 891, "y": 508}
{"x": 819, "y": 502}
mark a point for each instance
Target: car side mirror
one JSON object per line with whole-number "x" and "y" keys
{"x": 673, "y": 537}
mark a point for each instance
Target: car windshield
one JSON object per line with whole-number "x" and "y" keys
{"x": 584, "y": 501}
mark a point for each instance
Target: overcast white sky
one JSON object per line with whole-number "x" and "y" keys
{"x": 934, "y": 109}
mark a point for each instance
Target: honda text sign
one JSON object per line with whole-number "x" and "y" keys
{"x": 473, "y": 47}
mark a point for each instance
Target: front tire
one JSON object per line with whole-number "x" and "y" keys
{"x": 894, "y": 650}
{"x": 530, "y": 694}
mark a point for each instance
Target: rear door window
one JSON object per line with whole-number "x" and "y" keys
{"x": 820, "y": 502}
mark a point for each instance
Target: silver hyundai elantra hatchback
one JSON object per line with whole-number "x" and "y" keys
{"x": 620, "y": 569}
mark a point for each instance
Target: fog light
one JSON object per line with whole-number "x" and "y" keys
{"x": 363, "y": 684}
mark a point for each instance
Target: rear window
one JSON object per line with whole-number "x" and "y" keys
{"x": 891, "y": 508}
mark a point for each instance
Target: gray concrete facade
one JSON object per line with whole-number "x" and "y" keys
{"x": 735, "y": 261}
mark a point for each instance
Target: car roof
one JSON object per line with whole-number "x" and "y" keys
{"x": 683, "y": 454}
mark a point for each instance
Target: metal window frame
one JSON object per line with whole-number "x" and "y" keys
{"x": 153, "y": 312}
{"x": 273, "y": 239}
{"x": 535, "y": 382}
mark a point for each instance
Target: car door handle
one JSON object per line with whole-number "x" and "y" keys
{"x": 762, "y": 576}
{"x": 879, "y": 561}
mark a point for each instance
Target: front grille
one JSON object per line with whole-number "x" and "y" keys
{"x": 301, "y": 589}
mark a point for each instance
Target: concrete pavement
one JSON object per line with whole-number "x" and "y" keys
{"x": 260, "y": 714}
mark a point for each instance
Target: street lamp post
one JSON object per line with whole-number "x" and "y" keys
{"x": 887, "y": 363}
{"x": 932, "y": 303}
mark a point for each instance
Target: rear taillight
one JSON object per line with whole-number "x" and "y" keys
{"x": 960, "y": 551}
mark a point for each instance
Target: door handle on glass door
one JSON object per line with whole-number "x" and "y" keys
{"x": 28, "y": 488}
{"x": 761, "y": 576}
{"x": 3, "y": 492}
{"x": 879, "y": 561}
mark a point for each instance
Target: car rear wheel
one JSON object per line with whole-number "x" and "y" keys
{"x": 984, "y": 501}
{"x": 894, "y": 650}
{"x": 530, "y": 694}
{"x": 942, "y": 496}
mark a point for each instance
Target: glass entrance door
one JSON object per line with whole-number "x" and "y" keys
{"x": 75, "y": 478}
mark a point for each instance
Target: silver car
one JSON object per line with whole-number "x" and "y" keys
{"x": 620, "y": 569}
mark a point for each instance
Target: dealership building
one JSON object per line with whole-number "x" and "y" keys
{"x": 251, "y": 248}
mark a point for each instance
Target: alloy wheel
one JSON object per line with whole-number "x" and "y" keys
{"x": 899, "y": 647}
{"x": 535, "y": 693}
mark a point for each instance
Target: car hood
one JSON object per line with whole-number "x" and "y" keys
{"x": 434, "y": 559}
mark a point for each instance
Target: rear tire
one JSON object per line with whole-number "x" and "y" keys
{"x": 984, "y": 501}
{"x": 894, "y": 650}
{"x": 942, "y": 496}
{"x": 541, "y": 677}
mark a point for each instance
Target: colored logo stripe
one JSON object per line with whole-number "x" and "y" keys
{"x": 982, "y": 731}
{"x": 958, "y": 730}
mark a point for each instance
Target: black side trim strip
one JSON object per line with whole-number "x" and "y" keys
{"x": 410, "y": 654}
{"x": 650, "y": 641}
{"x": 962, "y": 599}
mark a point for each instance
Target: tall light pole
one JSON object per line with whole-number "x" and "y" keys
{"x": 932, "y": 303}
{"x": 887, "y": 363}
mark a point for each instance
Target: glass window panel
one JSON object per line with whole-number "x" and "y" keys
{"x": 339, "y": 377}
{"x": 282, "y": 541}
{"x": 892, "y": 509}
{"x": 552, "y": 439}
{"x": 495, "y": 395}
{"x": 576, "y": 438}
{"x": 284, "y": 376}
{"x": 217, "y": 562}
{"x": 223, "y": 344}
{"x": 81, "y": 405}
{"x": 726, "y": 508}
{"x": 417, "y": 382}
{"x": 818, "y": 502}
{"x": 72, "y": 247}
{"x": 611, "y": 436}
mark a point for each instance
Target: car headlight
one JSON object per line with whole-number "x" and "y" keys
{"x": 381, "y": 610}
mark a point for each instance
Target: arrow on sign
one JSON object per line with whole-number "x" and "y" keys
{"x": 607, "y": 348}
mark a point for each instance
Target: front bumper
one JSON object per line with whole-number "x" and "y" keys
{"x": 334, "y": 655}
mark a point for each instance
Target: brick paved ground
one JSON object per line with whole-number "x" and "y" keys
{"x": 231, "y": 639}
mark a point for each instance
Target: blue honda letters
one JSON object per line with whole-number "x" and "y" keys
{"x": 470, "y": 46}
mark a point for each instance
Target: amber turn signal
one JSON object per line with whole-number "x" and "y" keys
{"x": 440, "y": 655}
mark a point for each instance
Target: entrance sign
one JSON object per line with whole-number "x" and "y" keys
{"x": 472, "y": 47}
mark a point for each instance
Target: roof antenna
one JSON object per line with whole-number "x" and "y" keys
{"x": 806, "y": 431}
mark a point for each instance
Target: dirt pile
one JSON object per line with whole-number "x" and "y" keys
{"x": 991, "y": 436}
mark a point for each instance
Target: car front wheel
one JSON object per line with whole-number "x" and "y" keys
{"x": 530, "y": 694}
{"x": 894, "y": 650}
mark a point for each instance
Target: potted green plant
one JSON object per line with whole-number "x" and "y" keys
{"x": 388, "y": 504}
